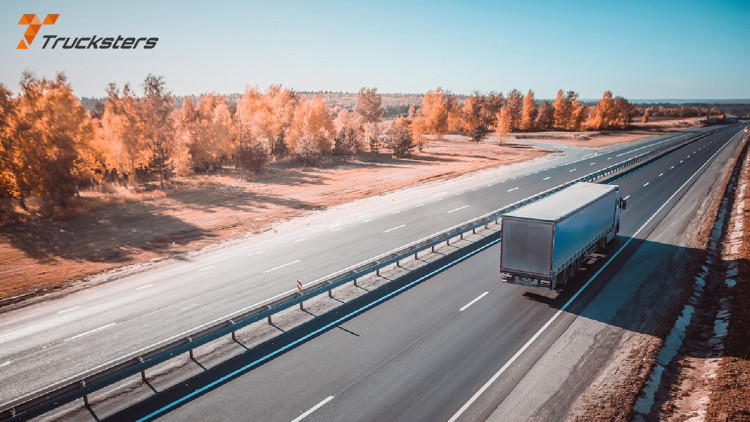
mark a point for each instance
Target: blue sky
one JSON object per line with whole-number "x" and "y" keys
{"x": 637, "y": 49}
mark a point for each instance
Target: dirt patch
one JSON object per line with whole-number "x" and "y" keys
{"x": 601, "y": 138}
{"x": 104, "y": 230}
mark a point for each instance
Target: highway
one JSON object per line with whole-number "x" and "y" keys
{"x": 53, "y": 340}
{"x": 451, "y": 346}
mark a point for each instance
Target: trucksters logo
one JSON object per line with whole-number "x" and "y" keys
{"x": 79, "y": 43}
{"x": 33, "y": 22}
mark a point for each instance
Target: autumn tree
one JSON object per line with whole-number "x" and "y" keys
{"x": 437, "y": 108}
{"x": 625, "y": 112}
{"x": 8, "y": 145}
{"x": 399, "y": 138}
{"x": 580, "y": 113}
{"x": 529, "y": 112}
{"x": 346, "y": 141}
{"x": 206, "y": 130}
{"x": 603, "y": 114}
{"x": 368, "y": 106}
{"x": 312, "y": 130}
{"x": 55, "y": 134}
{"x": 509, "y": 118}
{"x": 124, "y": 150}
{"x": 545, "y": 118}
{"x": 565, "y": 110}
{"x": 645, "y": 117}
{"x": 478, "y": 116}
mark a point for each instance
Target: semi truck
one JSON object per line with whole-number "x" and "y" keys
{"x": 544, "y": 243}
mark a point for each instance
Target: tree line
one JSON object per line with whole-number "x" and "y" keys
{"x": 50, "y": 145}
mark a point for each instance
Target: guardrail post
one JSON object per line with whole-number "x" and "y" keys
{"x": 330, "y": 293}
{"x": 377, "y": 272}
{"x": 85, "y": 396}
{"x": 355, "y": 283}
{"x": 448, "y": 242}
{"x": 398, "y": 264}
{"x": 269, "y": 316}
{"x": 433, "y": 248}
{"x": 143, "y": 372}
{"x": 462, "y": 236}
{"x": 234, "y": 335}
{"x": 415, "y": 255}
{"x": 302, "y": 306}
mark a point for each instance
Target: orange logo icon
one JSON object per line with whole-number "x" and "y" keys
{"x": 34, "y": 24}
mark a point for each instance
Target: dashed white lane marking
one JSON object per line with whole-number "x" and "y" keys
{"x": 547, "y": 178}
{"x": 314, "y": 408}
{"x": 206, "y": 268}
{"x": 475, "y": 189}
{"x": 4, "y": 364}
{"x": 367, "y": 221}
{"x": 68, "y": 310}
{"x": 592, "y": 163}
{"x": 609, "y": 158}
{"x": 336, "y": 229}
{"x": 511, "y": 190}
{"x": 625, "y": 198}
{"x": 395, "y": 212}
{"x": 281, "y": 266}
{"x": 146, "y": 286}
{"x": 646, "y": 184}
{"x": 299, "y": 240}
{"x": 661, "y": 174}
{"x": 438, "y": 194}
{"x": 255, "y": 253}
{"x": 395, "y": 228}
{"x": 458, "y": 209}
{"x": 473, "y": 301}
{"x": 671, "y": 168}
{"x": 104, "y": 327}
{"x": 680, "y": 161}
{"x": 419, "y": 205}
{"x": 490, "y": 185}
{"x": 571, "y": 171}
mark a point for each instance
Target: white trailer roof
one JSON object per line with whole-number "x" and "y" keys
{"x": 561, "y": 204}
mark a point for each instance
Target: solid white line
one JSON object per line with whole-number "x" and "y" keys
{"x": 661, "y": 174}
{"x": 511, "y": 190}
{"x": 281, "y": 266}
{"x": 458, "y": 209}
{"x": 571, "y": 171}
{"x": 68, "y": 310}
{"x": 91, "y": 332}
{"x": 395, "y": 228}
{"x": 314, "y": 408}
{"x": 547, "y": 178}
{"x": 206, "y": 268}
{"x": 473, "y": 301}
{"x": 570, "y": 301}
{"x": 646, "y": 184}
{"x": 146, "y": 286}
{"x": 337, "y": 229}
{"x": 4, "y": 364}
{"x": 625, "y": 198}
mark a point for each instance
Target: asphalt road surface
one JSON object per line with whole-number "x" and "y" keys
{"x": 57, "y": 339}
{"x": 432, "y": 351}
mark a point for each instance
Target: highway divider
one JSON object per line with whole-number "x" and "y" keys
{"x": 65, "y": 392}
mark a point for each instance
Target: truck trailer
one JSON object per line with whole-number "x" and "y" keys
{"x": 545, "y": 242}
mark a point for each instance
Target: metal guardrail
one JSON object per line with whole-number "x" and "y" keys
{"x": 54, "y": 396}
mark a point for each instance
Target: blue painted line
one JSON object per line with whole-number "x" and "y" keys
{"x": 314, "y": 333}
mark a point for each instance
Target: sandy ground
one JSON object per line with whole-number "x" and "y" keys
{"x": 102, "y": 231}
{"x": 599, "y": 139}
